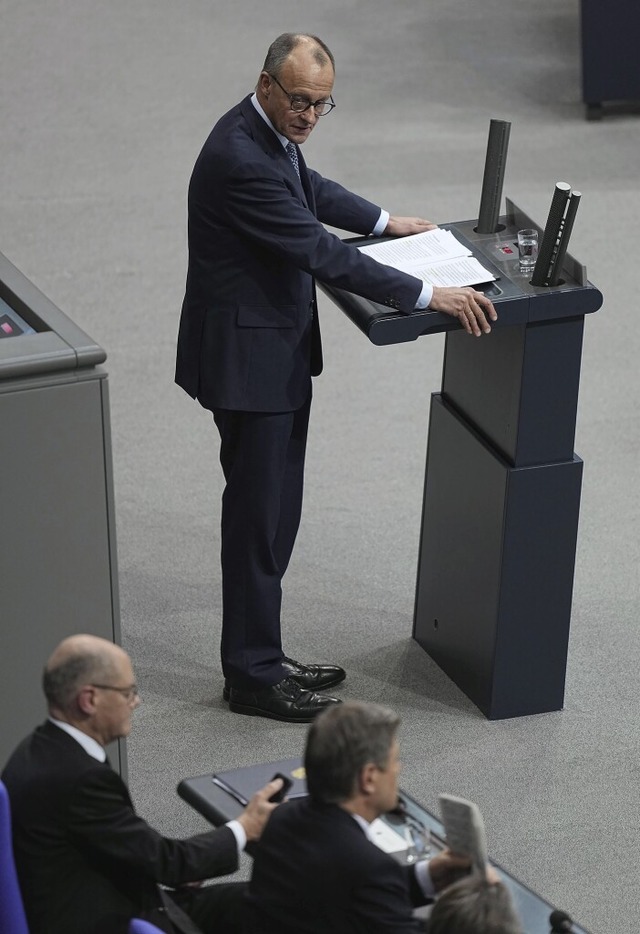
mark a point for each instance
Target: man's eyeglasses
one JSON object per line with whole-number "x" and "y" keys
{"x": 128, "y": 693}
{"x": 300, "y": 104}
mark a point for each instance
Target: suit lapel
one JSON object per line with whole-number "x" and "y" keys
{"x": 272, "y": 146}
{"x": 262, "y": 133}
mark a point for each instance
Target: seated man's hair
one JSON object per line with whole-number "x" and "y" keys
{"x": 340, "y": 742}
{"x": 474, "y": 906}
{"x": 61, "y": 682}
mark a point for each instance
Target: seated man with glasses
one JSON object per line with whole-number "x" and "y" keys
{"x": 86, "y": 862}
{"x": 249, "y": 343}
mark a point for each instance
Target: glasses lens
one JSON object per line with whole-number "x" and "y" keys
{"x": 300, "y": 104}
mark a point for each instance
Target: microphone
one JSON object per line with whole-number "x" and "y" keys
{"x": 493, "y": 179}
{"x": 400, "y": 809}
{"x": 561, "y": 922}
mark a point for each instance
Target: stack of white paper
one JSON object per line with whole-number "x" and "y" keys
{"x": 435, "y": 256}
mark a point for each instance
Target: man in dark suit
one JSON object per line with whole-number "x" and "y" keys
{"x": 316, "y": 869}
{"x": 249, "y": 343}
{"x": 86, "y": 862}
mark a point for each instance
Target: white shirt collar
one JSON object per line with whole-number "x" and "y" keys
{"x": 366, "y": 826}
{"x": 90, "y": 745}
{"x": 256, "y": 104}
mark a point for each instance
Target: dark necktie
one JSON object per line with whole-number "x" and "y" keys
{"x": 292, "y": 152}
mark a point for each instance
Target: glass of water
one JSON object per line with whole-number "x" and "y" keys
{"x": 527, "y": 249}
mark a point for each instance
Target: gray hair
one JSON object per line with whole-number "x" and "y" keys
{"x": 341, "y": 741}
{"x": 474, "y": 906}
{"x": 62, "y": 682}
{"x": 282, "y": 47}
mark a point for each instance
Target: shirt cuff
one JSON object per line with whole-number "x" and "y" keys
{"x": 237, "y": 830}
{"x": 425, "y": 296}
{"x": 381, "y": 225}
{"x": 424, "y": 880}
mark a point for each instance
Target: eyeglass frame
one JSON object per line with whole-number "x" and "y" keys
{"x": 129, "y": 693}
{"x": 298, "y": 97}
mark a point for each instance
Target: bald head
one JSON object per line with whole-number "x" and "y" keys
{"x": 76, "y": 661}
{"x": 298, "y": 74}
{"x": 306, "y": 47}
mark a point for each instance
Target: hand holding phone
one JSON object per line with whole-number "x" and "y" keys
{"x": 279, "y": 796}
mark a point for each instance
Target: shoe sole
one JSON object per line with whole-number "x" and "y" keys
{"x": 226, "y": 693}
{"x": 260, "y": 712}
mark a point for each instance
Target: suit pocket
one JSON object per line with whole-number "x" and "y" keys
{"x": 267, "y": 316}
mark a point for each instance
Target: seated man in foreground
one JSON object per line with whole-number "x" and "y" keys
{"x": 86, "y": 862}
{"x": 316, "y": 870}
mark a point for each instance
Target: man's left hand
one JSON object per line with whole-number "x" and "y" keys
{"x": 403, "y": 226}
{"x": 446, "y": 868}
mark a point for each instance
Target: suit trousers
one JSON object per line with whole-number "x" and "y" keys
{"x": 262, "y": 456}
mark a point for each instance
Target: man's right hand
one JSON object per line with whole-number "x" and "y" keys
{"x": 471, "y": 308}
{"x": 446, "y": 868}
{"x": 257, "y": 812}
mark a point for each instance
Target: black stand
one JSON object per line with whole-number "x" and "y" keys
{"x": 502, "y": 485}
{"x": 610, "y": 73}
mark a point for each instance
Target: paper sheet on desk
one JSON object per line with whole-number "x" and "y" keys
{"x": 435, "y": 256}
{"x": 386, "y": 838}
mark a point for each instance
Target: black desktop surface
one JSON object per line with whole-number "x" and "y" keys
{"x": 218, "y": 806}
{"x": 516, "y": 300}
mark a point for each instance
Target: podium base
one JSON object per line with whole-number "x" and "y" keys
{"x": 495, "y": 569}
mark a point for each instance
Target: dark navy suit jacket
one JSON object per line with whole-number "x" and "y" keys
{"x": 315, "y": 872}
{"x": 249, "y": 337}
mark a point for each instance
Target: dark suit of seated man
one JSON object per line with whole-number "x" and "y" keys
{"x": 86, "y": 862}
{"x": 315, "y": 869}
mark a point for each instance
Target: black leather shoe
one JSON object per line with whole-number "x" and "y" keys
{"x": 313, "y": 677}
{"x": 310, "y": 677}
{"x": 283, "y": 701}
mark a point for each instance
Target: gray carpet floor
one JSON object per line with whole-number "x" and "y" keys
{"x": 105, "y": 107}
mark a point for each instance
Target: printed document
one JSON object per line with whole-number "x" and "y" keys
{"x": 435, "y": 256}
{"x": 464, "y": 830}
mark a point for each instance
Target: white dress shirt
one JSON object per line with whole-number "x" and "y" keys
{"x": 421, "y": 868}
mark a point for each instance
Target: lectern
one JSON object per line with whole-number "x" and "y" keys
{"x": 502, "y": 482}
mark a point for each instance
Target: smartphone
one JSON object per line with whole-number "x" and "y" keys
{"x": 279, "y": 796}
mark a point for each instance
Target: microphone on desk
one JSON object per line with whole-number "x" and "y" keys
{"x": 400, "y": 809}
{"x": 561, "y": 922}
{"x": 493, "y": 179}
